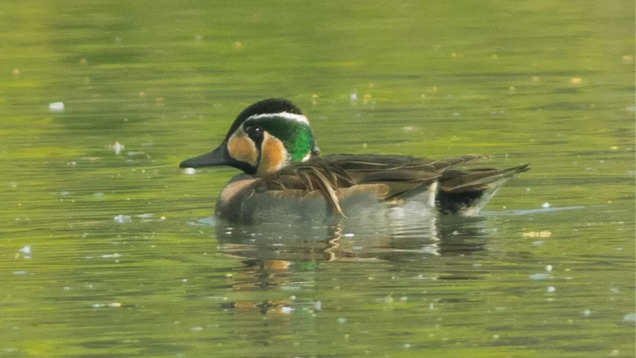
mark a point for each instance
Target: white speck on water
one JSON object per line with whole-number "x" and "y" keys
{"x": 353, "y": 97}
{"x": 196, "y": 329}
{"x": 342, "y": 320}
{"x": 189, "y": 171}
{"x": 538, "y": 243}
{"x": 19, "y": 273}
{"x": 122, "y": 219}
{"x": 287, "y": 309}
{"x": 349, "y": 234}
{"x": 56, "y": 106}
{"x": 114, "y": 304}
{"x": 145, "y": 216}
{"x": 586, "y": 313}
{"x": 133, "y": 153}
{"x": 406, "y": 345}
{"x": 495, "y": 336}
{"x": 66, "y": 288}
{"x": 630, "y": 318}
{"x": 118, "y": 147}
{"x": 551, "y": 289}
{"x": 184, "y": 280}
{"x": 404, "y": 298}
{"x": 545, "y": 205}
{"x": 292, "y": 297}
{"x": 111, "y": 256}
{"x": 614, "y": 353}
{"x": 26, "y": 251}
{"x": 98, "y": 305}
{"x": 317, "y": 306}
{"x": 430, "y": 250}
{"x": 631, "y": 108}
{"x": 548, "y": 268}
{"x": 539, "y": 276}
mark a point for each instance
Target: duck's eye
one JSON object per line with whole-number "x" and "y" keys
{"x": 255, "y": 133}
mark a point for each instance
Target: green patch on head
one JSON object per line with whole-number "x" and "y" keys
{"x": 295, "y": 134}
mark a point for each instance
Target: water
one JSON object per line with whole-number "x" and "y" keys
{"x": 110, "y": 250}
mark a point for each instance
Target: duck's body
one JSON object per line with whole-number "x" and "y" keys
{"x": 272, "y": 143}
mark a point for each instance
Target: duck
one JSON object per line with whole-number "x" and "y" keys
{"x": 283, "y": 174}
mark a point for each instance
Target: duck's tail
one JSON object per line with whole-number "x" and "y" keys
{"x": 465, "y": 192}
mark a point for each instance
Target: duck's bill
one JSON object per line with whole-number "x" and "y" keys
{"x": 214, "y": 158}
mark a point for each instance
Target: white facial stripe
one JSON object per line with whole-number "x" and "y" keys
{"x": 292, "y": 116}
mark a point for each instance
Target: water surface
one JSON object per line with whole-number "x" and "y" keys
{"x": 108, "y": 249}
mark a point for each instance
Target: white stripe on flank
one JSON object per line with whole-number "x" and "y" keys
{"x": 292, "y": 116}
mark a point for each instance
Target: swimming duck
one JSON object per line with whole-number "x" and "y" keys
{"x": 272, "y": 143}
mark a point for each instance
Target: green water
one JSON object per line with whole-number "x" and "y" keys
{"x": 542, "y": 82}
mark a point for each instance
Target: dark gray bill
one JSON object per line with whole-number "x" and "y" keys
{"x": 214, "y": 158}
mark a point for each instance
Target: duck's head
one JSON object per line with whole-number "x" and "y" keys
{"x": 264, "y": 138}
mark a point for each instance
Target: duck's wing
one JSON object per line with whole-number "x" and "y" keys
{"x": 467, "y": 191}
{"x": 395, "y": 175}
{"x": 458, "y": 181}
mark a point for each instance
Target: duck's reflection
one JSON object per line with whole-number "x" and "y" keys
{"x": 295, "y": 256}
{"x": 388, "y": 238}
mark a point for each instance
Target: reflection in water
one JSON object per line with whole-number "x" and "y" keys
{"x": 387, "y": 238}
{"x": 291, "y": 254}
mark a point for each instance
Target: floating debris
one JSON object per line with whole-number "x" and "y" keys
{"x": 551, "y": 289}
{"x": 111, "y": 256}
{"x": 576, "y": 80}
{"x": 535, "y": 234}
{"x": 630, "y": 318}
{"x": 56, "y": 106}
{"x": 548, "y": 268}
{"x": 189, "y": 171}
{"x": 539, "y": 276}
{"x": 586, "y": 313}
{"x": 342, "y": 320}
{"x": 117, "y": 147}
{"x": 122, "y": 219}
{"x": 545, "y": 205}
{"x": 353, "y": 97}
{"x": 286, "y": 309}
{"x": 25, "y": 251}
{"x": 102, "y": 305}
